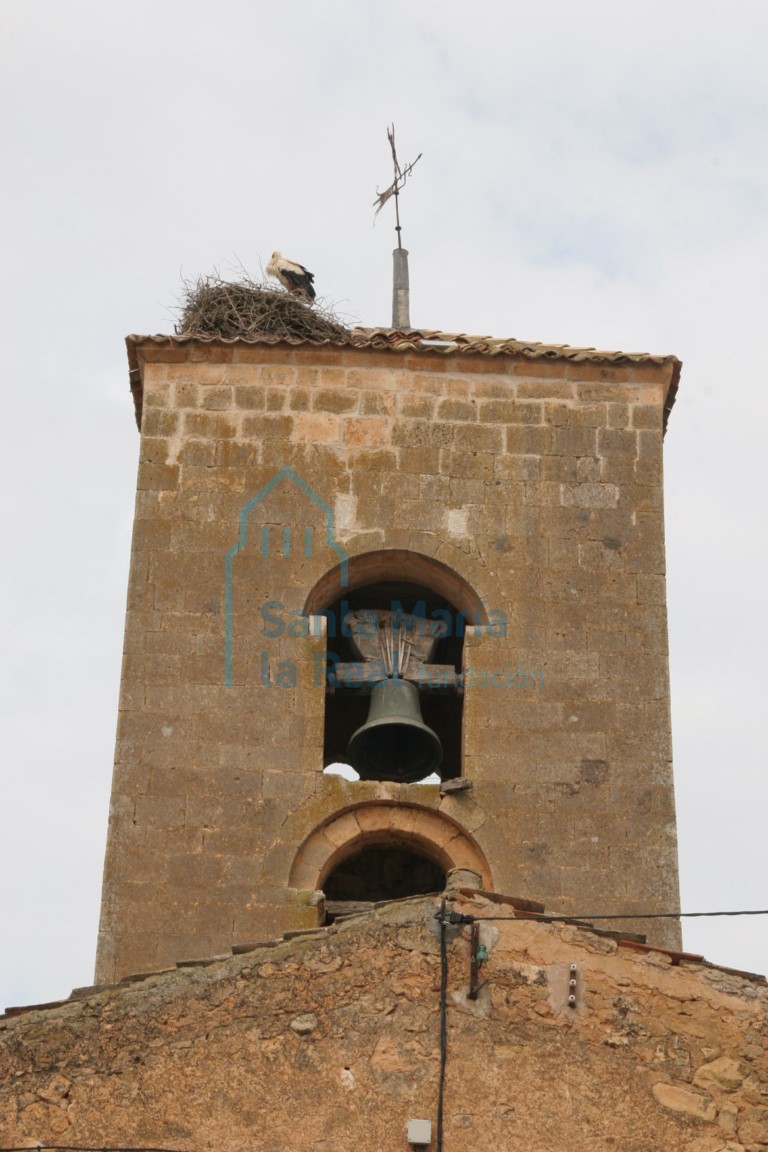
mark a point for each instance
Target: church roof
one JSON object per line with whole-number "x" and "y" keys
{"x": 407, "y": 910}
{"x": 422, "y": 340}
{"x": 429, "y": 340}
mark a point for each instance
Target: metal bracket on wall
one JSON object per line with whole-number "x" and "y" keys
{"x": 478, "y": 956}
{"x": 573, "y": 985}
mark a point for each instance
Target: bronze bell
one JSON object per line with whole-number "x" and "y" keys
{"x": 395, "y": 743}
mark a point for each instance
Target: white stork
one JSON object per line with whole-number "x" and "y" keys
{"x": 292, "y": 276}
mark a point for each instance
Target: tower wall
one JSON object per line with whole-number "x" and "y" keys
{"x": 534, "y": 481}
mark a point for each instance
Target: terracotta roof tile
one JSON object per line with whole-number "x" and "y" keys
{"x": 519, "y": 909}
{"x": 431, "y": 341}
{"x": 428, "y": 340}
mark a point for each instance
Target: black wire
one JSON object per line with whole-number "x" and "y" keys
{"x": 620, "y": 916}
{"x": 89, "y": 1148}
{"x": 443, "y": 1027}
{"x": 443, "y": 921}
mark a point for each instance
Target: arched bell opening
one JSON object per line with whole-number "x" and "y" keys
{"x": 378, "y": 872}
{"x": 370, "y": 849}
{"x": 423, "y": 609}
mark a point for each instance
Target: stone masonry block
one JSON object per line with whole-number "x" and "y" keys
{"x": 500, "y": 388}
{"x": 477, "y": 438}
{"x": 542, "y": 493}
{"x": 651, "y": 589}
{"x": 456, "y": 386}
{"x": 196, "y": 872}
{"x": 160, "y": 811}
{"x": 316, "y": 428}
{"x": 647, "y": 416}
{"x": 216, "y": 398}
{"x": 158, "y": 477}
{"x": 519, "y": 468}
{"x": 157, "y": 388}
{"x": 276, "y": 399}
{"x": 378, "y": 404}
{"x": 618, "y": 415}
{"x": 545, "y": 389}
{"x": 208, "y": 425}
{"x": 417, "y": 406}
{"x": 532, "y": 370}
{"x": 335, "y": 399}
{"x": 362, "y": 380}
{"x": 575, "y": 441}
{"x": 588, "y": 416}
{"x": 299, "y": 399}
{"x": 468, "y": 464}
{"x": 618, "y": 391}
{"x": 186, "y": 394}
{"x": 278, "y": 428}
{"x": 382, "y": 460}
{"x": 344, "y": 829}
{"x": 649, "y": 445}
{"x": 511, "y": 412}
{"x": 366, "y": 431}
{"x": 456, "y": 410}
{"x": 590, "y": 495}
{"x": 155, "y": 450}
{"x": 424, "y": 383}
{"x": 613, "y": 443}
{"x": 251, "y": 397}
{"x": 588, "y": 469}
{"x": 433, "y": 487}
{"x": 198, "y": 453}
{"x": 529, "y": 440}
{"x": 560, "y": 468}
{"x": 422, "y": 460}
{"x": 159, "y": 422}
{"x": 648, "y": 474}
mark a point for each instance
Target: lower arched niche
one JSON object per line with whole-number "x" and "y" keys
{"x": 384, "y": 851}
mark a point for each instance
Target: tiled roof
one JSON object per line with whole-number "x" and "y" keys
{"x": 515, "y": 908}
{"x": 429, "y": 340}
{"x": 424, "y": 340}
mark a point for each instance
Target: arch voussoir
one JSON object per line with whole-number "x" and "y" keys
{"x": 384, "y": 822}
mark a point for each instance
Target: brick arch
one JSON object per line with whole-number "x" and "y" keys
{"x": 397, "y": 564}
{"x": 433, "y": 835}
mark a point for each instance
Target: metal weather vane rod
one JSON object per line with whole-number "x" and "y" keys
{"x": 394, "y": 189}
{"x": 401, "y": 307}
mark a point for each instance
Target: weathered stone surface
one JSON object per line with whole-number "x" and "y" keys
{"x": 724, "y": 1074}
{"x": 304, "y": 1025}
{"x": 684, "y": 1100}
{"x": 535, "y": 485}
{"x": 753, "y": 1127}
{"x": 336, "y": 1037}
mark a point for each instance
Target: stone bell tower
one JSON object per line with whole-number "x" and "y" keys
{"x": 479, "y": 519}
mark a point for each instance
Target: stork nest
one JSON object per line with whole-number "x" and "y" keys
{"x": 249, "y": 310}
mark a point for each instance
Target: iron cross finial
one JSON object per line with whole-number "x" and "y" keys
{"x": 401, "y": 175}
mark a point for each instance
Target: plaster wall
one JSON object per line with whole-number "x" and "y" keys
{"x": 331, "y": 1043}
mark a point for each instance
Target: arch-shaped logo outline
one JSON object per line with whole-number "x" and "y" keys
{"x": 242, "y": 540}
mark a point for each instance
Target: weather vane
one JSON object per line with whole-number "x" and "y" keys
{"x": 401, "y": 175}
{"x": 401, "y": 318}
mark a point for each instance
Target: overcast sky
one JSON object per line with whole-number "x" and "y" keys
{"x": 592, "y": 173}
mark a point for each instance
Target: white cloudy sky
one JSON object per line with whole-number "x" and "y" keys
{"x": 593, "y": 173}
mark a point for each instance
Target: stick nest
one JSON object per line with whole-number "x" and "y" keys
{"x": 249, "y": 310}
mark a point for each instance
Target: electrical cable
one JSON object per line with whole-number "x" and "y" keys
{"x": 89, "y": 1148}
{"x": 443, "y": 1025}
{"x": 443, "y": 920}
{"x": 614, "y": 916}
